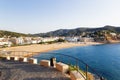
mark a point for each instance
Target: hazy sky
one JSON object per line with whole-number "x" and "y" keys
{"x": 35, "y": 16}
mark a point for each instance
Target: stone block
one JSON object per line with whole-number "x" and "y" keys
{"x": 8, "y": 57}
{"x": 33, "y": 61}
{"x": 23, "y": 59}
{"x": 45, "y": 63}
{"x": 16, "y": 58}
{"x": 62, "y": 67}
{"x": 74, "y": 75}
{"x": 11, "y": 58}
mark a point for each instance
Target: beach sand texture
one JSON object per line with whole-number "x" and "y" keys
{"x": 39, "y": 48}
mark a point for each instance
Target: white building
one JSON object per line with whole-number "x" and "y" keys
{"x": 113, "y": 34}
{"x": 48, "y": 39}
{"x": 85, "y": 39}
{"x": 15, "y": 40}
{"x": 20, "y": 40}
{"x": 5, "y": 41}
{"x": 27, "y": 40}
{"x": 72, "y": 39}
{"x": 36, "y": 40}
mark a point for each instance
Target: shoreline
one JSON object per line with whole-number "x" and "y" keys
{"x": 41, "y": 48}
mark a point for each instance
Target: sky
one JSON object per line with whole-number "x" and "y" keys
{"x": 38, "y": 16}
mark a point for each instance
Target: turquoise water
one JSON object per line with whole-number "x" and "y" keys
{"x": 105, "y": 59}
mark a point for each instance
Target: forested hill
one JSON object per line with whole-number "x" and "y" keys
{"x": 77, "y": 31}
{"x": 11, "y": 34}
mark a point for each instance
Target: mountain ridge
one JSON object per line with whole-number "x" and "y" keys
{"x": 61, "y": 32}
{"x": 77, "y": 31}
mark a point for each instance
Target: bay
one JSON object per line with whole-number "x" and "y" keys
{"x": 105, "y": 59}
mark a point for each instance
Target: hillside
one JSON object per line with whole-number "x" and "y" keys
{"x": 11, "y": 34}
{"x": 77, "y": 31}
{"x": 61, "y": 32}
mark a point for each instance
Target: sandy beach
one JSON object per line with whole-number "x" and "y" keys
{"x": 38, "y": 48}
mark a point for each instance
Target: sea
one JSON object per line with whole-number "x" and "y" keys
{"x": 104, "y": 59}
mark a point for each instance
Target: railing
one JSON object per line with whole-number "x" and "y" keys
{"x": 70, "y": 60}
{"x": 79, "y": 65}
